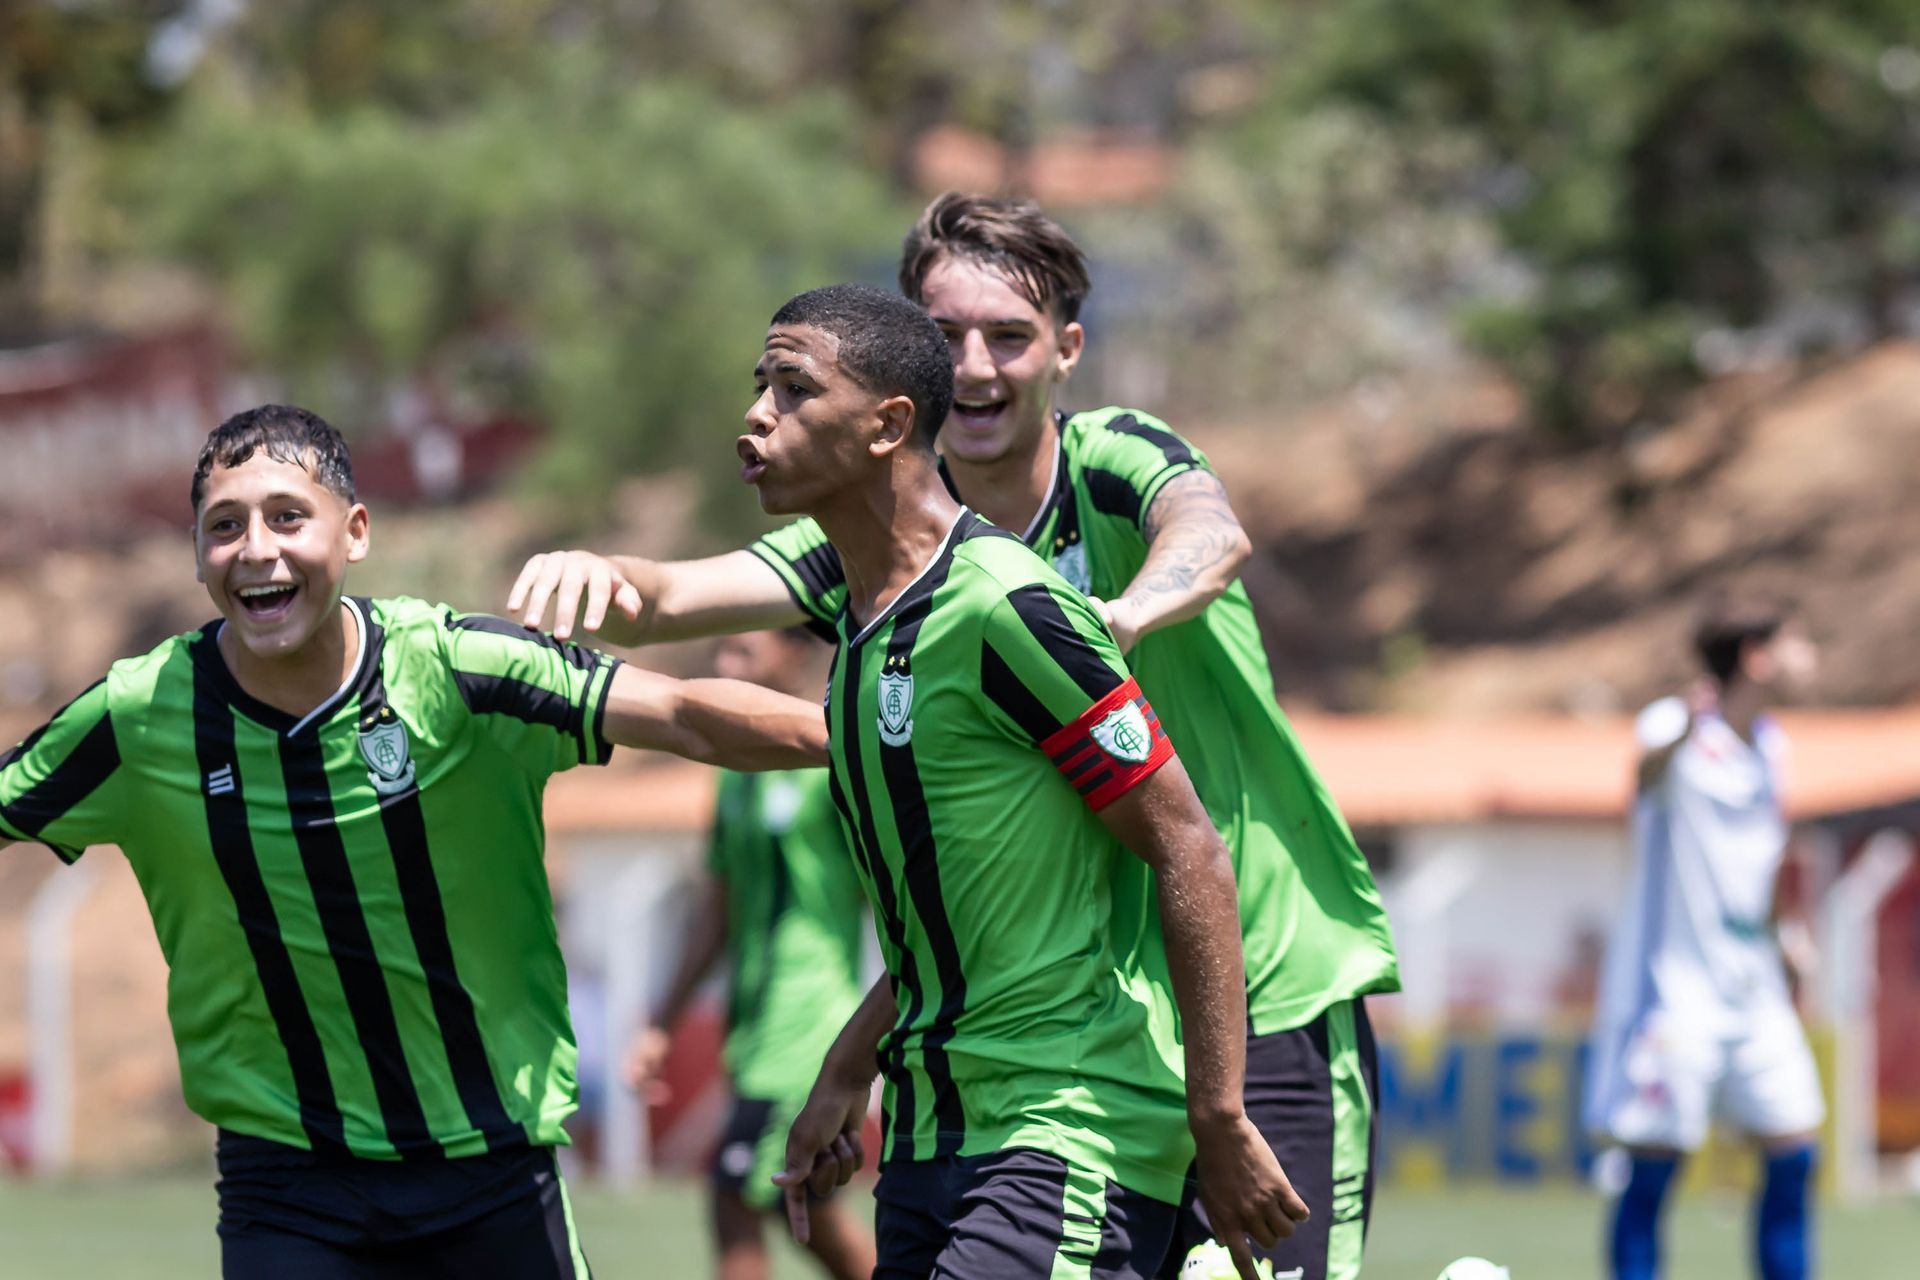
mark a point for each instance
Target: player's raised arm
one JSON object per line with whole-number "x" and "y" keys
{"x": 1195, "y": 549}
{"x": 1163, "y": 822}
{"x": 628, "y": 600}
{"x": 725, "y": 722}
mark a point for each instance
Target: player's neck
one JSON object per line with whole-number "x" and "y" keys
{"x": 1741, "y": 705}
{"x": 1009, "y": 490}
{"x": 888, "y": 532}
{"x": 302, "y": 680}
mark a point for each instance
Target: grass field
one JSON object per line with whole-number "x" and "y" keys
{"x": 163, "y": 1230}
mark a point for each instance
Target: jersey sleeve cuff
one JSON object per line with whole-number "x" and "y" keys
{"x": 596, "y": 737}
{"x": 819, "y": 626}
{"x": 1111, "y": 747}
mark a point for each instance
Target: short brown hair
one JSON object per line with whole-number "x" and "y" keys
{"x": 285, "y": 433}
{"x": 1728, "y": 624}
{"x": 1013, "y": 237}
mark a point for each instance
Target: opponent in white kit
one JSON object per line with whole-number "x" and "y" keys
{"x": 1695, "y": 1019}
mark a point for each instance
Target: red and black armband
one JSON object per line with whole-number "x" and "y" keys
{"x": 1112, "y": 746}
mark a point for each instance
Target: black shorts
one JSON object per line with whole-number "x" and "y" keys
{"x": 287, "y": 1214}
{"x": 753, "y": 1147}
{"x": 1313, "y": 1092}
{"x": 1013, "y": 1215}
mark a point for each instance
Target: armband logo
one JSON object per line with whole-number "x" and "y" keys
{"x": 1124, "y": 735}
{"x": 896, "y": 704}
{"x": 383, "y": 744}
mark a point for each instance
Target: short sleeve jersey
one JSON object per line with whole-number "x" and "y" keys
{"x": 1696, "y": 936}
{"x": 795, "y": 917}
{"x": 976, "y": 722}
{"x": 1314, "y": 926}
{"x": 353, "y": 905}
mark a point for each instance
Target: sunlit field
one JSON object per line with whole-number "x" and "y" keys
{"x": 162, "y": 1230}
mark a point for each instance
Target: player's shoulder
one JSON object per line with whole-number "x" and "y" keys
{"x": 1119, "y": 427}
{"x": 134, "y": 685}
{"x": 994, "y": 568}
{"x": 1661, "y": 723}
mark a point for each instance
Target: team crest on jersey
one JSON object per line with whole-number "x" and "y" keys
{"x": 1124, "y": 735}
{"x": 383, "y": 744}
{"x": 1071, "y": 563}
{"x": 896, "y": 704}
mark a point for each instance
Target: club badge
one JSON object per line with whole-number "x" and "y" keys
{"x": 1123, "y": 734}
{"x": 896, "y": 703}
{"x": 383, "y": 744}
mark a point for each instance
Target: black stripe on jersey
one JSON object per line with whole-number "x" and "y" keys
{"x": 577, "y": 655}
{"x": 1113, "y": 495}
{"x": 303, "y": 765}
{"x": 921, "y": 865}
{"x": 1062, "y": 642}
{"x": 866, "y": 840}
{"x": 420, "y": 898}
{"x": 1176, "y": 451}
{"x": 233, "y": 854}
{"x": 820, "y": 569}
{"x": 26, "y": 744}
{"x": 90, "y": 763}
{"x": 998, "y": 682}
{"x": 488, "y": 694}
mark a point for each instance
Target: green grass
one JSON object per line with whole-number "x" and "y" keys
{"x": 164, "y": 1229}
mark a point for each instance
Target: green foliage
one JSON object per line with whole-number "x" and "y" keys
{"x": 1652, "y": 170}
{"x": 598, "y": 251}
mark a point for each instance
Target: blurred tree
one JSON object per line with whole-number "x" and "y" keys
{"x": 595, "y": 250}
{"x": 1676, "y": 182}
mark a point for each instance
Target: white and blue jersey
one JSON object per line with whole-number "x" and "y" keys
{"x": 1694, "y": 1014}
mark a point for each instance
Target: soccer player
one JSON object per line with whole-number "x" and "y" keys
{"x": 1694, "y": 1016}
{"x": 981, "y": 717}
{"x": 780, "y": 902}
{"x": 1132, "y": 515}
{"x": 332, "y": 805}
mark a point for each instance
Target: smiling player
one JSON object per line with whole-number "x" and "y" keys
{"x": 333, "y": 806}
{"x": 1132, "y": 516}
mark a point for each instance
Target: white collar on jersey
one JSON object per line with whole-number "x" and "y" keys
{"x": 353, "y": 672}
{"x": 1053, "y": 486}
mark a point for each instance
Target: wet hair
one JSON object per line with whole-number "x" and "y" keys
{"x": 285, "y": 434}
{"x": 1728, "y": 624}
{"x": 1013, "y": 237}
{"x": 887, "y": 344}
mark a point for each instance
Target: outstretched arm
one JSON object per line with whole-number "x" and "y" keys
{"x": 1245, "y": 1192}
{"x": 725, "y": 722}
{"x": 1195, "y": 548}
{"x": 628, "y": 600}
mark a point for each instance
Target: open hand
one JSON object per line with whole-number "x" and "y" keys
{"x": 566, "y": 579}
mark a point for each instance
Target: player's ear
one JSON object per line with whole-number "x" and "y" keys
{"x": 1073, "y": 341}
{"x": 895, "y": 418}
{"x": 359, "y": 533}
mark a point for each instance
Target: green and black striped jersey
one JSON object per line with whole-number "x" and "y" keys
{"x": 794, "y": 927}
{"x": 975, "y": 723}
{"x": 353, "y": 905}
{"x": 1316, "y": 932}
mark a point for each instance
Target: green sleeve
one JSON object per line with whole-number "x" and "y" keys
{"x": 544, "y": 701}
{"x": 810, "y": 567}
{"x": 1045, "y": 658}
{"x": 59, "y": 785}
{"x": 1126, "y": 457}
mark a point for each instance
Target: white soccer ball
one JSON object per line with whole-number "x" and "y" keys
{"x": 1211, "y": 1261}
{"x": 1473, "y": 1269}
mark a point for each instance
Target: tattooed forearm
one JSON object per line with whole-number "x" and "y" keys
{"x": 1195, "y": 547}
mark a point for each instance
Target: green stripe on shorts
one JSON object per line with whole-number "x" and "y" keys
{"x": 1352, "y": 1130}
{"x": 1083, "y": 1217}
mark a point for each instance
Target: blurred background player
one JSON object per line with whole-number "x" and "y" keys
{"x": 1695, "y": 1017}
{"x": 781, "y": 904}
{"x": 333, "y": 806}
{"x": 1132, "y": 515}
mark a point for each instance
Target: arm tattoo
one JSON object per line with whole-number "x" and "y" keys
{"x": 1190, "y": 528}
